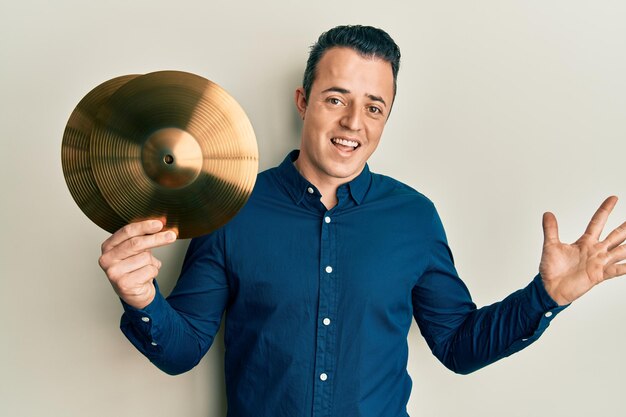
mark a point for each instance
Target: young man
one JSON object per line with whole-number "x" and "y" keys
{"x": 323, "y": 270}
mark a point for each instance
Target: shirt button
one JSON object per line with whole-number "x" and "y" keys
{"x": 329, "y": 269}
{"x": 524, "y": 340}
{"x": 145, "y": 319}
{"x": 548, "y": 314}
{"x": 310, "y": 190}
{"x": 153, "y": 343}
{"x": 326, "y": 321}
{"x": 327, "y": 219}
{"x": 323, "y": 376}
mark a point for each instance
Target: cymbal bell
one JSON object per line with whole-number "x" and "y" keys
{"x": 167, "y": 144}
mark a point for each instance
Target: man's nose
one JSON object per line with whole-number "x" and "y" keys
{"x": 351, "y": 118}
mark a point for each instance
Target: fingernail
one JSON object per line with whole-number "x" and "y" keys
{"x": 155, "y": 223}
{"x": 170, "y": 236}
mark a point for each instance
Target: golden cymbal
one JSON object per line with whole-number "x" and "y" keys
{"x": 76, "y": 160}
{"x": 171, "y": 145}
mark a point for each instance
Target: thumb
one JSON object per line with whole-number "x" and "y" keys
{"x": 550, "y": 229}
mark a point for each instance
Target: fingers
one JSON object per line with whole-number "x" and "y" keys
{"x": 134, "y": 238}
{"x": 133, "y": 263}
{"x": 128, "y": 262}
{"x": 616, "y": 255}
{"x": 133, "y": 284}
{"x": 139, "y": 244}
{"x": 550, "y": 229}
{"x": 616, "y": 237}
{"x": 131, "y": 230}
{"x": 594, "y": 229}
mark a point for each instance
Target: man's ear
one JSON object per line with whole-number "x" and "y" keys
{"x": 300, "y": 98}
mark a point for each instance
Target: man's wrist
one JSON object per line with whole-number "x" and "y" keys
{"x": 140, "y": 302}
{"x": 551, "y": 288}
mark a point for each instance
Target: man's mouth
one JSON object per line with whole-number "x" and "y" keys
{"x": 345, "y": 144}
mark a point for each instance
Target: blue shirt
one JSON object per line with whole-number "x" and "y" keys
{"x": 318, "y": 302}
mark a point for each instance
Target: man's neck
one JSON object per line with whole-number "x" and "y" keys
{"x": 327, "y": 186}
{"x": 329, "y": 196}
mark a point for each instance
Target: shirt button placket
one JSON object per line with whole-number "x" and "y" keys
{"x": 327, "y": 297}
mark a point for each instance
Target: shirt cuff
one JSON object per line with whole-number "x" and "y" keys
{"x": 143, "y": 327}
{"x": 541, "y": 305}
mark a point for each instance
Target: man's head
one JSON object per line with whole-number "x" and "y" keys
{"x": 366, "y": 40}
{"x": 348, "y": 91}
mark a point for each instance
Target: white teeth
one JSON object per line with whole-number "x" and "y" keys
{"x": 345, "y": 142}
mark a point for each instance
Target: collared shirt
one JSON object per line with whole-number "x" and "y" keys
{"x": 318, "y": 302}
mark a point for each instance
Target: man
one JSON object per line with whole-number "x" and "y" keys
{"x": 323, "y": 270}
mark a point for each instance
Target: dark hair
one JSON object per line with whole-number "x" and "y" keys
{"x": 366, "y": 40}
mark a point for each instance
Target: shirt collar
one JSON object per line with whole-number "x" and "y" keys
{"x": 298, "y": 186}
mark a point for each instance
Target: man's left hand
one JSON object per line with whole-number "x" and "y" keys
{"x": 570, "y": 270}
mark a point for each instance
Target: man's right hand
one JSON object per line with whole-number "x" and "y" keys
{"x": 128, "y": 262}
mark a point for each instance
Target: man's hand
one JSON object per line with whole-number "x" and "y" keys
{"x": 128, "y": 262}
{"x": 569, "y": 271}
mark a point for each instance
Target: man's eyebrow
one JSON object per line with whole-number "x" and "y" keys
{"x": 377, "y": 98}
{"x": 336, "y": 90}
{"x": 344, "y": 91}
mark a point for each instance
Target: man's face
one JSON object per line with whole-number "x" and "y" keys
{"x": 344, "y": 116}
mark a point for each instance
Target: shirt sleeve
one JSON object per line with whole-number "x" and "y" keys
{"x": 176, "y": 332}
{"x": 463, "y": 337}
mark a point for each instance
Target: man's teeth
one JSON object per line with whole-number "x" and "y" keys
{"x": 345, "y": 142}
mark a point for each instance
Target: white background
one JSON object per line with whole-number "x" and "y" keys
{"x": 505, "y": 109}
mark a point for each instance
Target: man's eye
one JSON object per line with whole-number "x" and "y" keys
{"x": 334, "y": 101}
{"x": 374, "y": 110}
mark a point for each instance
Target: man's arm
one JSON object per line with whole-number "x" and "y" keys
{"x": 465, "y": 338}
{"x": 175, "y": 333}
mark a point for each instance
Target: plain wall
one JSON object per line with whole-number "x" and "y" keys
{"x": 505, "y": 109}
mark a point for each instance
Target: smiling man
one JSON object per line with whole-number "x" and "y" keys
{"x": 322, "y": 272}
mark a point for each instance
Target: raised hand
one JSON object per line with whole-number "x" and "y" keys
{"x": 570, "y": 270}
{"x": 128, "y": 262}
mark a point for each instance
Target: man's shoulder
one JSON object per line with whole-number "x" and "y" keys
{"x": 266, "y": 179}
{"x": 384, "y": 186}
{"x": 268, "y": 173}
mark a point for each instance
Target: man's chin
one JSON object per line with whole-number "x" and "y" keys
{"x": 346, "y": 172}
